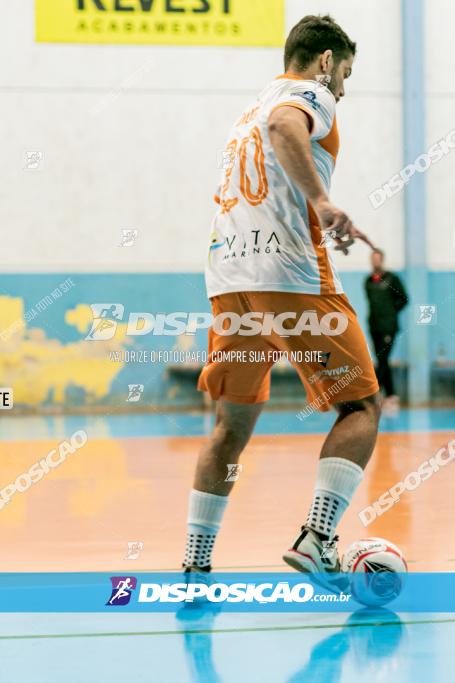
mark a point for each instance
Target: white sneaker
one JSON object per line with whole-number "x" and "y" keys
{"x": 312, "y": 555}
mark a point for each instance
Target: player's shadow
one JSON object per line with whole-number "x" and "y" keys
{"x": 371, "y": 636}
{"x": 196, "y": 623}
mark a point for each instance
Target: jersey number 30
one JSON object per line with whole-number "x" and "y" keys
{"x": 239, "y": 150}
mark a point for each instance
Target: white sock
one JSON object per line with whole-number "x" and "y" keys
{"x": 204, "y": 521}
{"x": 336, "y": 483}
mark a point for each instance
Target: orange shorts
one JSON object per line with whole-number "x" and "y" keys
{"x": 319, "y": 335}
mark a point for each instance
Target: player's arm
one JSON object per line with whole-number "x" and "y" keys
{"x": 289, "y": 131}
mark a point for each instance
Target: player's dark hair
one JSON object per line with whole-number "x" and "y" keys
{"x": 312, "y": 36}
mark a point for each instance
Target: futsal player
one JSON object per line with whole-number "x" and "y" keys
{"x": 268, "y": 253}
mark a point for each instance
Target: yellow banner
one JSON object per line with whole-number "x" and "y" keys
{"x": 161, "y": 22}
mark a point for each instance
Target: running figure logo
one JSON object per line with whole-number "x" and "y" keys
{"x": 134, "y": 392}
{"x": 233, "y": 472}
{"x": 426, "y": 314}
{"x": 105, "y": 318}
{"x": 128, "y": 237}
{"x": 122, "y": 587}
{"x": 328, "y": 239}
{"x": 328, "y": 553}
{"x": 33, "y": 160}
{"x": 134, "y": 550}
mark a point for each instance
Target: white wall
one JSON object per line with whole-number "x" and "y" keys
{"x": 131, "y": 137}
{"x": 440, "y": 86}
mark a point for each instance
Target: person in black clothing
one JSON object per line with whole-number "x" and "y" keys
{"x": 386, "y": 297}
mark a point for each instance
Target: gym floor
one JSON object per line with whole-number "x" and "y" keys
{"x": 130, "y": 483}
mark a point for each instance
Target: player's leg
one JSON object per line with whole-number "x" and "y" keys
{"x": 240, "y": 385}
{"x": 354, "y": 431}
{"x": 346, "y": 381}
{"x": 344, "y": 456}
{"x": 234, "y": 426}
{"x": 208, "y": 499}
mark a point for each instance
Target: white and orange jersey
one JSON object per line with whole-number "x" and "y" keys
{"x": 265, "y": 236}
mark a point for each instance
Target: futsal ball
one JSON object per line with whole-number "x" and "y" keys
{"x": 377, "y": 567}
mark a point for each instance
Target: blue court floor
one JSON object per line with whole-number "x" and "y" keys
{"x": 380, "y": 646}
